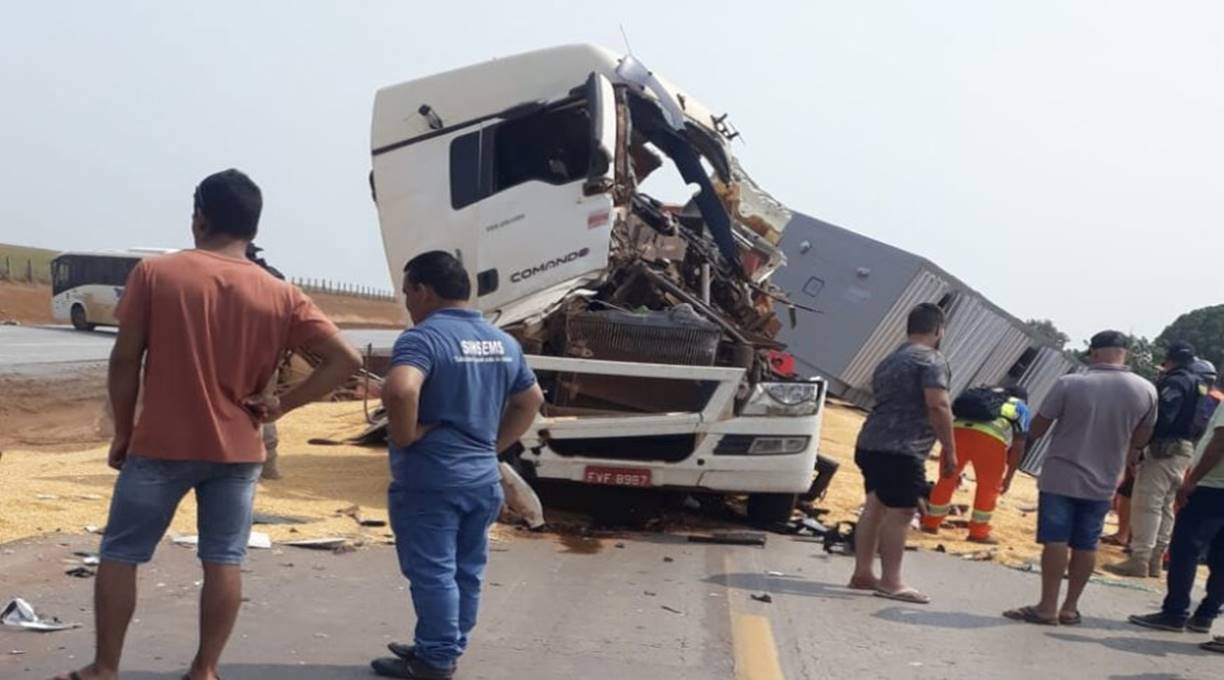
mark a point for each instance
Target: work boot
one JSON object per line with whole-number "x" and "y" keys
{"x": 1156, "y": 563}
{"x": 412, "y": 669}
{"x": 407, "y": 652}
{"x": 1133, "y": 567}
{"x": 1198, "y": 625}
{"x": 1159, "y": 621}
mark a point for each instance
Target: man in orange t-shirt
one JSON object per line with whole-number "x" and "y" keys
{"x": 208, "y": 326}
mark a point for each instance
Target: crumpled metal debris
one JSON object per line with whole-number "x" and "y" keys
{"x": 258, "y": 539}
{"x": 21, "y": 614}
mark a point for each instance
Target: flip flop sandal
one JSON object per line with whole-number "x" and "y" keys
{"x": 1074, "y": 619}
{"x": 1029, "y": 615}
{"x": 909, "y": 596}
{"x": 1216, "y": 645}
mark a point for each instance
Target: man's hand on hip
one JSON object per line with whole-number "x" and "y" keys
{"x": 263, "y": 408}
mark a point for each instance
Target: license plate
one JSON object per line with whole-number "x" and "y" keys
{"x": 615, "y": 476}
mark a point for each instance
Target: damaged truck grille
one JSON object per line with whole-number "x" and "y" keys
{"x": 675, "y": 336}
{"x": 670, "y": 337}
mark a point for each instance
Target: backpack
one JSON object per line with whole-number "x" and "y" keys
{"x": 980, "y": 404}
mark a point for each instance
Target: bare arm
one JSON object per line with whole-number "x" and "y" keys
{"x": 520, "y": 412}
{"x": 1041, "y": 425}
{"x": 338, "y": 361}
{"x": 123, "y": 386}
{"x": 1212, "y": 456}
{"x": 939, "y": 411}
{"x": 1015, "y": 455}
{"x": 1139, "y": 439}
{"x": 402, "y": 398}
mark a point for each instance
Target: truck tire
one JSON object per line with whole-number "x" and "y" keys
{"x": 79, "y": 320}
{"x": 770, "y": 508}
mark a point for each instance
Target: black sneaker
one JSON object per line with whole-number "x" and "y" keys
{"x": 407, "y": 652}
{"x": 411, "y": 669}
{"x": 1159, "y": 621}
{"x": 1198, "y": 625}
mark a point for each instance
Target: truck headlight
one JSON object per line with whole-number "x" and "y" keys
{"x": 784, "y": 399}
{"x": 760, "y": 445}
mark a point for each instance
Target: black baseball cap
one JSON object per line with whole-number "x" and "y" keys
{"x": 1180, "y": 352}
{"x": 1109, "y": 340}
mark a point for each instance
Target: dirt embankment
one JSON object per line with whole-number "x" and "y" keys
{"x": 27, "y": 303}
{"x": 355, "y": 312}
{"x": 30, "y": 304}
{"x": 60, "y": 412}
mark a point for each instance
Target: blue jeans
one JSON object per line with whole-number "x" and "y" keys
{"x": 1199, "y": 527}
{"x": 441, "y": 538}
{"x": 1077, "y": 522}
{"x": 148, "y": 493}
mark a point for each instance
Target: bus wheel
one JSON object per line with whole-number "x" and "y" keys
{"x": 79, "y": 320}
{"x": 770, "y": 508}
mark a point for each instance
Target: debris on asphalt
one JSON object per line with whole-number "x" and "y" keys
{"x": 775, "y": 573}
{"x": 375, "y": 523}
{"x": 670, "y": 609}
{"x": 329, "y": 543}
{"x": 94, "y": 529}
{"x": 941, "y": 548}
{"x": 763, "y": 597}
{"x": 755, "y": 538}
{"x": 270, "y": 519}
{"x": 17, "y": 652}
{"x": 258, "y": 539}
{"x": 620, "y": 545}
{"x": 21, "y": 614}
{"x": 81, "y": 572}
{"x": 521, "y": 499}
{"x": 668, "y": 559}
{"x": 87, "y": 558}
{"x": 647, "y": 593}
{"x": 980, "y": 556}
{"x": 840, "y": 539}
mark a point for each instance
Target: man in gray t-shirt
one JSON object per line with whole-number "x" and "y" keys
{"x": 1099, "y": 417}
{"x": 912, "y": 411}
{"x": 900, "y": 422}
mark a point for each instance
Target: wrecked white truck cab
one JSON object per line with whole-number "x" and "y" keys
{"x": 650, "y": 325}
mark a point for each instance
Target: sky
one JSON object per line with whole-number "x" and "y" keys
{"x": 1064, "y": 158}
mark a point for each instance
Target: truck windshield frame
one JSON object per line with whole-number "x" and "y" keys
{"x": 551, "y": 145}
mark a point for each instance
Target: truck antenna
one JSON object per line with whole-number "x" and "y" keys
{"x": 625, "y": 37}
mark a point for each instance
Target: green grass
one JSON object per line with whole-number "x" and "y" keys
{"x": 17, "y": 261}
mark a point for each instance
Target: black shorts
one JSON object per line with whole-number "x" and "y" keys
{"x": 897, "y": 479}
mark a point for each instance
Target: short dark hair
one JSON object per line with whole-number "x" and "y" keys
{"x": 442, "y": 272}
{"x": 924, "y": 319}
{"x": 231, "y": 203}
{"x": 1017, "y": 392}
{"x": 1109, "y": 340}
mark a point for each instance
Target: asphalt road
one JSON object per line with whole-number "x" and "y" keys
{"x": 34, "y": 349}
{"x": 639, "y": 606}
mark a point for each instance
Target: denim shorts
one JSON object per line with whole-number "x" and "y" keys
{"x": 1077, "y": 522}
{"x": 147, "y": 495}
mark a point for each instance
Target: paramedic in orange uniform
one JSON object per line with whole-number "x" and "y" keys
{"x": 995, "y": 451}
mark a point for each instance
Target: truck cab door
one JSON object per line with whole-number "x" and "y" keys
{"x": 546, "y": 225}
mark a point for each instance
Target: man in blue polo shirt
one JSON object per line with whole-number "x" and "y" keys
{"x": 458, "y": 392}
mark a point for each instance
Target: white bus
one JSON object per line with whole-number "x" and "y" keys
{"x": 86, "y": 287}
